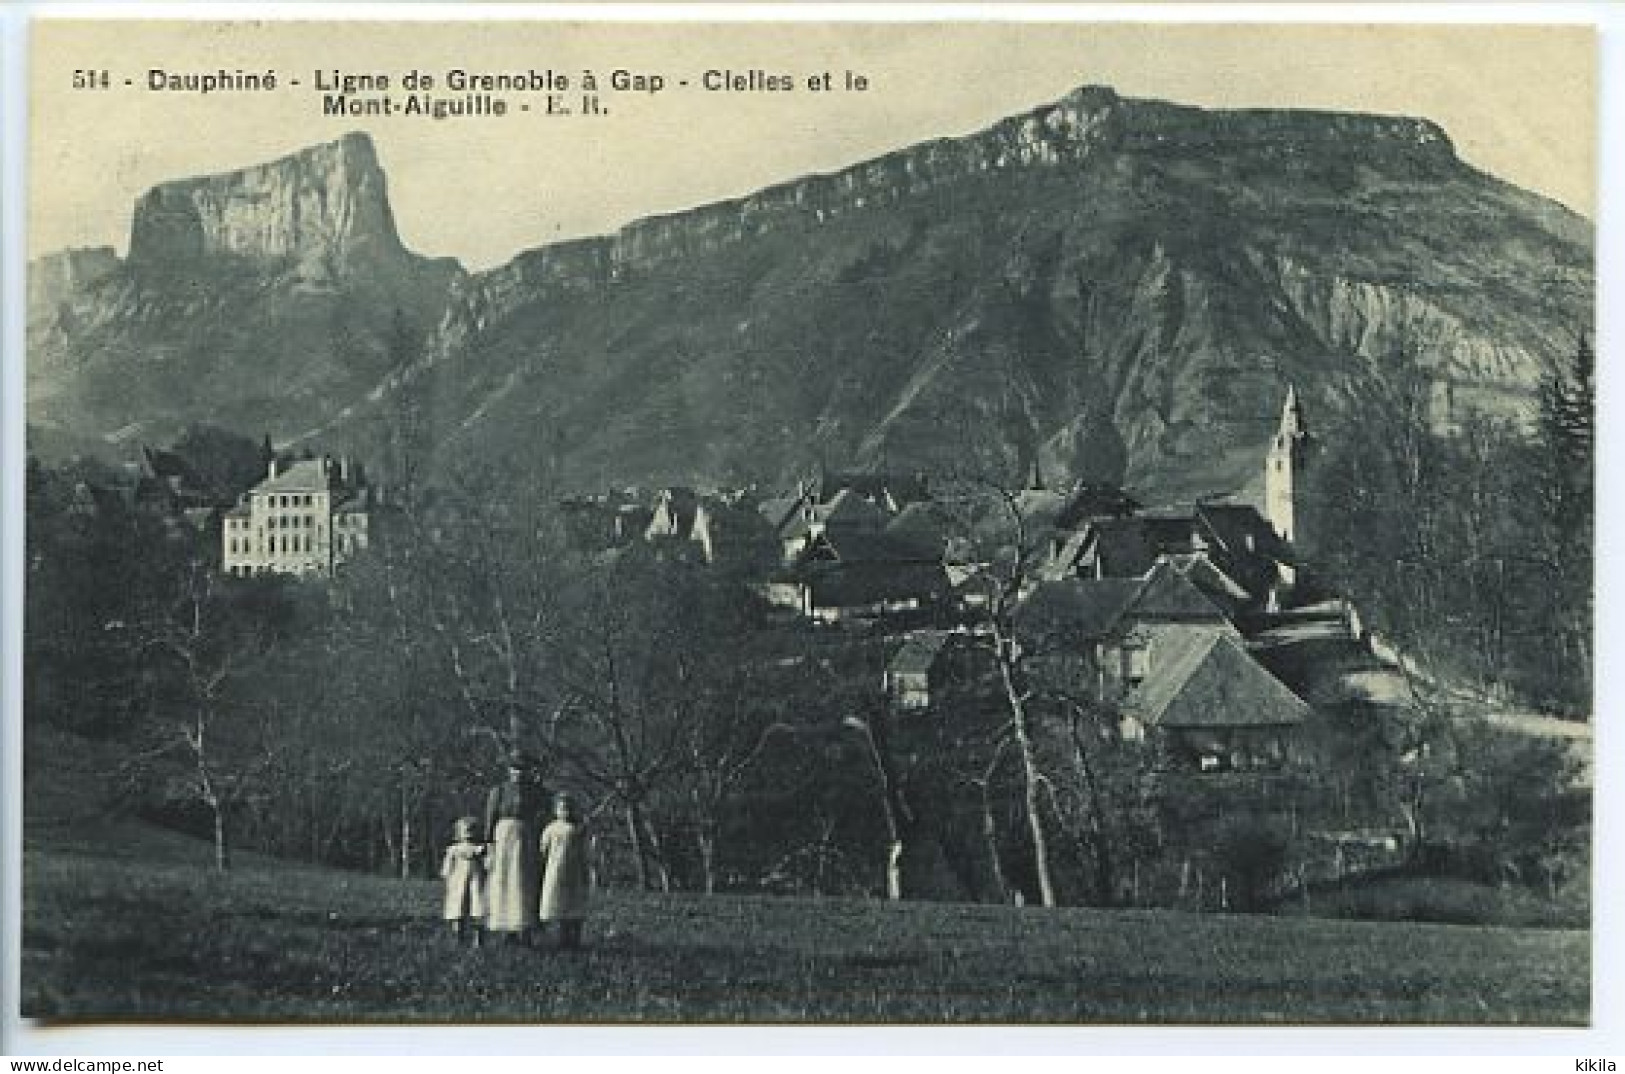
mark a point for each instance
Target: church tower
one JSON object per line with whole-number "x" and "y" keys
{"x": 1285, "y": 459}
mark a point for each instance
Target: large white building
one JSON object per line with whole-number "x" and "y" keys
{"x": 304, "y": 518}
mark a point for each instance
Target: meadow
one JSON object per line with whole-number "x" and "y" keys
{"x": 129, "y": 923}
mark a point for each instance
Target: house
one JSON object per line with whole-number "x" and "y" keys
{"x": 1091, "y": 500}
{"x": 1210, "y": 707}
{"x": 1228, "y": 548}
{"x": 1242, "y": 542}
{"x": 672, "y": 518}
{"x": 891, "y": 492}
{"x": 1119, "y": 624}
{"x": 859, "y": 571}
{"x": 846, "y": 513}
{"x": 912, "y": 679}
{"x": 305, "y": 518}
{"x": 1161, "y": 651}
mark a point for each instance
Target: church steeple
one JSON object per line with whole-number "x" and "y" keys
{"x": 1286, "y": 456}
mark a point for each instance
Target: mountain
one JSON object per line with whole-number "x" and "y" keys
{"x": 1114, "y": 288}
{"x": 256, "y": 299}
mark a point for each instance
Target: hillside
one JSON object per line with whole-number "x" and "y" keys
{"x": 1120, "y": 288}
{"x": 251, "y": 300}
{"x": 284, "y": 943}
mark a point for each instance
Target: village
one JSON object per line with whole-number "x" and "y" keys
{"x": 1196, "y": 699}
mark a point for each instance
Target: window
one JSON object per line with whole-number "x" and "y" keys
{"x": 1136, "y": 662}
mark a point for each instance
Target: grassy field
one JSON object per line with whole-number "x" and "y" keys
{"x": 130, "y": 924}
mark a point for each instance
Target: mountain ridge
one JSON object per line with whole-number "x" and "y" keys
{"x": 1115, "y": 288}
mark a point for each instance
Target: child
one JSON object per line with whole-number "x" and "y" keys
{"x": 564, "y": 876}
{"x": 464, "y": 873}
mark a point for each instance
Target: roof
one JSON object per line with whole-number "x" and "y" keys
{"x": 674, "y": 512}
{"x": 1081, "y": 607}
{"x": 903, "y": 489}
{"x": 1063, "y": 559}
{"x": 779, "y": 510}
{"x": 1223, "y": 590}
{"x": 920, "y": 525}
{"x": 306, "y": 475}
{"x": 918, "y": 653}
{"x": 837, "y": 585}
{"x": 1090, "y": 500}
{"x": 848, "y": 509}
{"x": 354, "y": 504}
{"x": 169, "y": 464}
{"x": 1124, "y": 547}
{"x": 1039, "y": 508}
{"x": 1202, "y": 678}
{"x": 1240, "y": 530}
{"x": 1168, "y": 594}
{"x": 876, "y": 546}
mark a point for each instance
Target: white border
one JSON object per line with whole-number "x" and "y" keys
{"x": 1606, "y": 1037}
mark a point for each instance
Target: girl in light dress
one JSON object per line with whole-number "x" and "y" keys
{"x": 463, "y": 870}
{"x": 564, "y": 876}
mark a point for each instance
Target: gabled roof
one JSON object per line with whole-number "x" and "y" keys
{"x": 1219, "y": 587}
{"x": 1085, "y": 608}
{"x": 306, "y": 475}
{"x": 1040, "y": 509}
{"x": 674, "y": 512}
{"x": 1169, "y": 595}
{"x": 850, "y": 510}
{"x": 902, "y": 489}
{"x": 1202, "y": 678}
{"x": 872, "y": 546}
{"x": 356, "y": 503}
{"x": 1239, "y": 530}
{"x": 918, "y": 653}
{"x": 1063, "y": 561}
{"x": 1090, "y": 500}
{"x": 1124, "y": 547}
{"x": 168, "y": 464}
{"x": 921, "y": 526}
{"x": 847, "y": 585}
{"x": 780, "y": 510}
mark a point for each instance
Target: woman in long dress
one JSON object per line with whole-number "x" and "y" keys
{"x": 512, "y": 811}
{"x": 564, "y": 881}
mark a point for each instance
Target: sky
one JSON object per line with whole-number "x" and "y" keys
{"x": 1519, "y": 102}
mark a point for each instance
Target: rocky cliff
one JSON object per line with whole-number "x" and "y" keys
{"x": 322, "y": 214}
{"x": 258, "y": 298}
{"x": 1112, "y": 287}
{"x": 57, "y": 277}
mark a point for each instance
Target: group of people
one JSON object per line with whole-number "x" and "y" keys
{"x": 515, "y": 877}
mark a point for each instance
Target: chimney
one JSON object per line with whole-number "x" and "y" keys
{"x": 344, "y": 469}
{"x": 270, "y": 468}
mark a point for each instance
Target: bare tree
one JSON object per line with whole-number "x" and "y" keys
{"x": 212, "y": 745}
{"x": 998, "y": 539}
